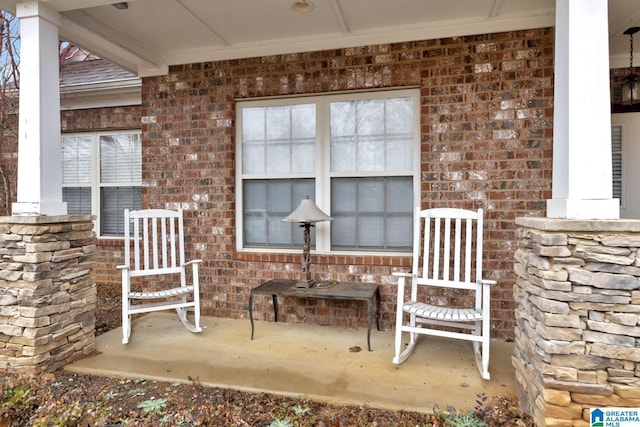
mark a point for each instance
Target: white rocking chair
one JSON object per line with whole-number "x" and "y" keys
{"x": 158, "y": 250}
{"x": 451, "y": 258}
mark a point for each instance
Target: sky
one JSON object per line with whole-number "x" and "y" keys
{"x": 14, "y": 38}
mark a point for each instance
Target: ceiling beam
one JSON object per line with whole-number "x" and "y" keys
{"x": 65, "y": 5}
{"x": 216, "y": 37}
{"x": 495, "y": 8}
{"x": 340, "y": 17}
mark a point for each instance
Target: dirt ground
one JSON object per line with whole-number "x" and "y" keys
{"x": 67, "y": 399}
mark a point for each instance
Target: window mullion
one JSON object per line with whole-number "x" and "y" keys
{"x": 323, "y": 184}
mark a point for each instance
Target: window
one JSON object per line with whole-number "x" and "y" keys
{"x": 355, "y": 155}
{"x": 102, "y": 176}
{"x": 616, "y": 159}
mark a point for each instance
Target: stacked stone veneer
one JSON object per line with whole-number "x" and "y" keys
{"x": 577, "y": 300}
{"x": 47, "y": 291}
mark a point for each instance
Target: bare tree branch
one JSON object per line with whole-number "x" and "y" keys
{"x": 9, "y": 85}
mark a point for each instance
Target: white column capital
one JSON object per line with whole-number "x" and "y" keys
{"x": 38, "y": 9}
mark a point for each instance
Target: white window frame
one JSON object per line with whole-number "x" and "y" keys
{"x": 96, "y": 186}
{"x": 322, "y": 164}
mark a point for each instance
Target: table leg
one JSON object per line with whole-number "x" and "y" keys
{"x": 378, "y": 307}
{"x": 275, "y": 307}
{"x": 251, "y": 311}
{"x": 370, "y": 311}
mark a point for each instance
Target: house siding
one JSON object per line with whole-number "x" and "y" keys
{"x": 486, "y": 141}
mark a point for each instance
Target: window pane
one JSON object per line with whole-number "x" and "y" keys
{"x": 278, "y": 157}
{"x": 303, "y": 157}
{"x": 253, "y": 124}
{"x": 398, "y": 152}
{"x": 279, "y": 139}
{"x": 343, "y": 153}
{"x": 399, "y": 112}
{"x": 114, "y": 201}
{"x": 76, "y": 159}
{"x": 78, "y": 200}
{"x": 371, "y": 231}
{"x": 255, "y": 196}
{"x": 343, "y": 195}
{"x": 399, "y": 194}
{"x": 399, "y": 231}
{"x": 121, "y": 159}
{"x": 370, "y": 118}
{"x": 343, "y": 119}
{"x": 303, "y": 119}
{"x": 372, "y": 135}
{"x": 372, "y": 213}
{"x": 266, "y": 203}
{"x": 253, "y": 157}
{"x": 371, "y": 153}
{"x": 370, "y": 195}
{"x": 253, "y": 140}
{"x": 343, "y": 231}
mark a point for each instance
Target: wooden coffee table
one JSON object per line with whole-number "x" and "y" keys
{"x": 367, "y": 292}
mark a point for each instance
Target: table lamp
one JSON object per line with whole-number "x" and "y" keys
{"x": 306, "y": 214}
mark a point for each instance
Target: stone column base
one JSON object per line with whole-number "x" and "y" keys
{"x": 577, "y": 332}
{"x": 47, "y": 291}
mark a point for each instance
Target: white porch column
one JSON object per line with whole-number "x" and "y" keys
{"x": 582, "y": 187}
{"x": 39, "y": 147}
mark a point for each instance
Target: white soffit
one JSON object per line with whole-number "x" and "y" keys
{"x": 150, "y": 35}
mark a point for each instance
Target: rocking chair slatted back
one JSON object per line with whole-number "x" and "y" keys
{"x": 438, "y": 267}
{"x": 158, "y": 242}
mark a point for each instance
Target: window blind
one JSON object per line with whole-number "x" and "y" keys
{"x": 616, "y": 161}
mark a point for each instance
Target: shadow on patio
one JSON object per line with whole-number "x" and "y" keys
{"x": 302, "y": 360}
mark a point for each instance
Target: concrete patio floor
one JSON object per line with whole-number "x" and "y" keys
{"x": 303, "y": 360}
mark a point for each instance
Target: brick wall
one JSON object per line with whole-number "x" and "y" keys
{"x": 486, "y": 120}
{"x": 93, "y": 119}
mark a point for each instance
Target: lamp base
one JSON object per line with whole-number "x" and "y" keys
{"x": 306, "y": 283}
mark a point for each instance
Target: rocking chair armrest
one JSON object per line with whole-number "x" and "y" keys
{"x": 402, "y": 274}
{"x": 195, "y": 261}
{"x": 122, "y": 267}
{"x": 488, "y": 282}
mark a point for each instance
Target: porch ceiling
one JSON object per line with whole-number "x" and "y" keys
{"x": 153, "y": 34}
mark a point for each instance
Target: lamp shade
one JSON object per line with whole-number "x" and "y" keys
{"x": 307, "y": 213}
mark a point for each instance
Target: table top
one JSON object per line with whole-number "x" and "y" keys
{"x": 323, "y": 289}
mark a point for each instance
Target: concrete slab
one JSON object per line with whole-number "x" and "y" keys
{"x": 309, "y": 361}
